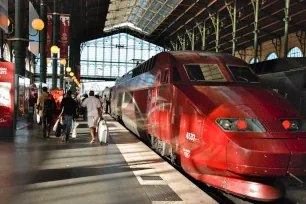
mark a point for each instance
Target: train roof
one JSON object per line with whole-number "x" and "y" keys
{"x": 183, "y": 57}
{"x": 188, "y": 54}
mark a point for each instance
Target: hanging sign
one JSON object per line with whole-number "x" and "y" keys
{"x": 49, "y": 35}
{"x": 64, "y": 35}
{"x": 33, "y": 34}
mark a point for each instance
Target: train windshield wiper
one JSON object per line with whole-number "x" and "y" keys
{"x": 193, "y": 78}
{"x": 245, "y": 79}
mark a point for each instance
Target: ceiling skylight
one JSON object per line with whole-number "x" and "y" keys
{"x": 141, "y": 15}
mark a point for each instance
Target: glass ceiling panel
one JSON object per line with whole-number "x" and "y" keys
{"x": 149, "y": 15}
{"x": 138, "y": 15}
{"x": 156, "y": 6}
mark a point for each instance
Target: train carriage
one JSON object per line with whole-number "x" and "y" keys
{"x": 208, "y": 112}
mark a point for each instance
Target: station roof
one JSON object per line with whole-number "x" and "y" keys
{"x": 162, "y": 21}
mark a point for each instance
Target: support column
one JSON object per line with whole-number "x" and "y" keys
{"x": 62, "y": 67}
{"x": 181, "y": 42}
{"x": 55, "y": 39}
{"x": 192, "y": 40}
{"x": 234, "y": 23}
{"x": 172, "y": 46}
{"x": 42, "y": 43}
{"x": 202, "y": 31}
{"x": 286, "y": 20}
{"x": 204, "y": 37}
{"x": 20, "y": 35}
{"x": 216, "y": 23}
{"x": 74, "y": 51}
{"x": 256, "y": 12}
{"x": 217, "y": 32}
{"x": 62, "y": 76}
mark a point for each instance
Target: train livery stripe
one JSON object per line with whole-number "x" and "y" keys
{"x": 158, "y": 107}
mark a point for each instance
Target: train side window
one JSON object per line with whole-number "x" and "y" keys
{"x": 166, "y": 76}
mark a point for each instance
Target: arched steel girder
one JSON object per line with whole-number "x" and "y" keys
{"x": 263, "y": 29}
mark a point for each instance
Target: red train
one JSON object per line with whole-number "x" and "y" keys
{"x": 208, "y": 112}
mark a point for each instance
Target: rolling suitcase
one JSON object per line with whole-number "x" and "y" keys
{"x": 58, "y": 131}
{"x": 103, "y": 133}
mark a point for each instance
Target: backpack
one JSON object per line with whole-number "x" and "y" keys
{"x": 49, "y": 105}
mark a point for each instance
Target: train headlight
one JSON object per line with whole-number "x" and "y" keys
{"x": 240, "y": 125}
{"x": 225, "y": 124}
{"x": 294, "y": 125}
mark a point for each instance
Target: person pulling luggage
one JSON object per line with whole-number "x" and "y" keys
{"x": 45, "y": 108}
{"x": 68, "y": 112}
{"x": 94, "y": 112}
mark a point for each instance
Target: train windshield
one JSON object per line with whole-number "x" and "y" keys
{"x": 243, "y": 74}
{"x": 204, "y": 72}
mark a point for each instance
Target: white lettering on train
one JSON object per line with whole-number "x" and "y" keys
{"x": 190, "y": 136}
{"x": 186, "y": 153}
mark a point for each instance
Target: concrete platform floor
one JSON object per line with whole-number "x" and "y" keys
{"x": 36, "y": 170}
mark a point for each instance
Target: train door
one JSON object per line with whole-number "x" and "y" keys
{"x": 163, "y": 112}
{"x": 119, "y": 105}
{"x": 152, "y": 106}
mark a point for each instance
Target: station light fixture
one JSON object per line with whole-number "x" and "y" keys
{"x": 71, "y": 74}
{"x": 68, "y": 69}
{"x": 8, "y": 22}
{"x": 63, "y": 61}
{"x": 38, "y": 24}
{"x": 54, "y": 49}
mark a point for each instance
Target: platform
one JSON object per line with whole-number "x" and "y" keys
{"x": 36, "y": 170}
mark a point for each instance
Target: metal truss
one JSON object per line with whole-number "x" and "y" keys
{"x": 232, "y": 10}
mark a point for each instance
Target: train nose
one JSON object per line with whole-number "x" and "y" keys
{"x": 257, "y": 157}
{"x": 267, "y": 157}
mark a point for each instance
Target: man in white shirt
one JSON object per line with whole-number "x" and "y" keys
{"x": 93, "y": 106}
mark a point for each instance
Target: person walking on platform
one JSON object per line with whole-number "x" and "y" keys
{"x": 93, "y": 113}
{"x": 45, "y": 108}
{"x": 84, "y": 110}
{"x": 68, "y": 112}
{"x": 106, "y": 103}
